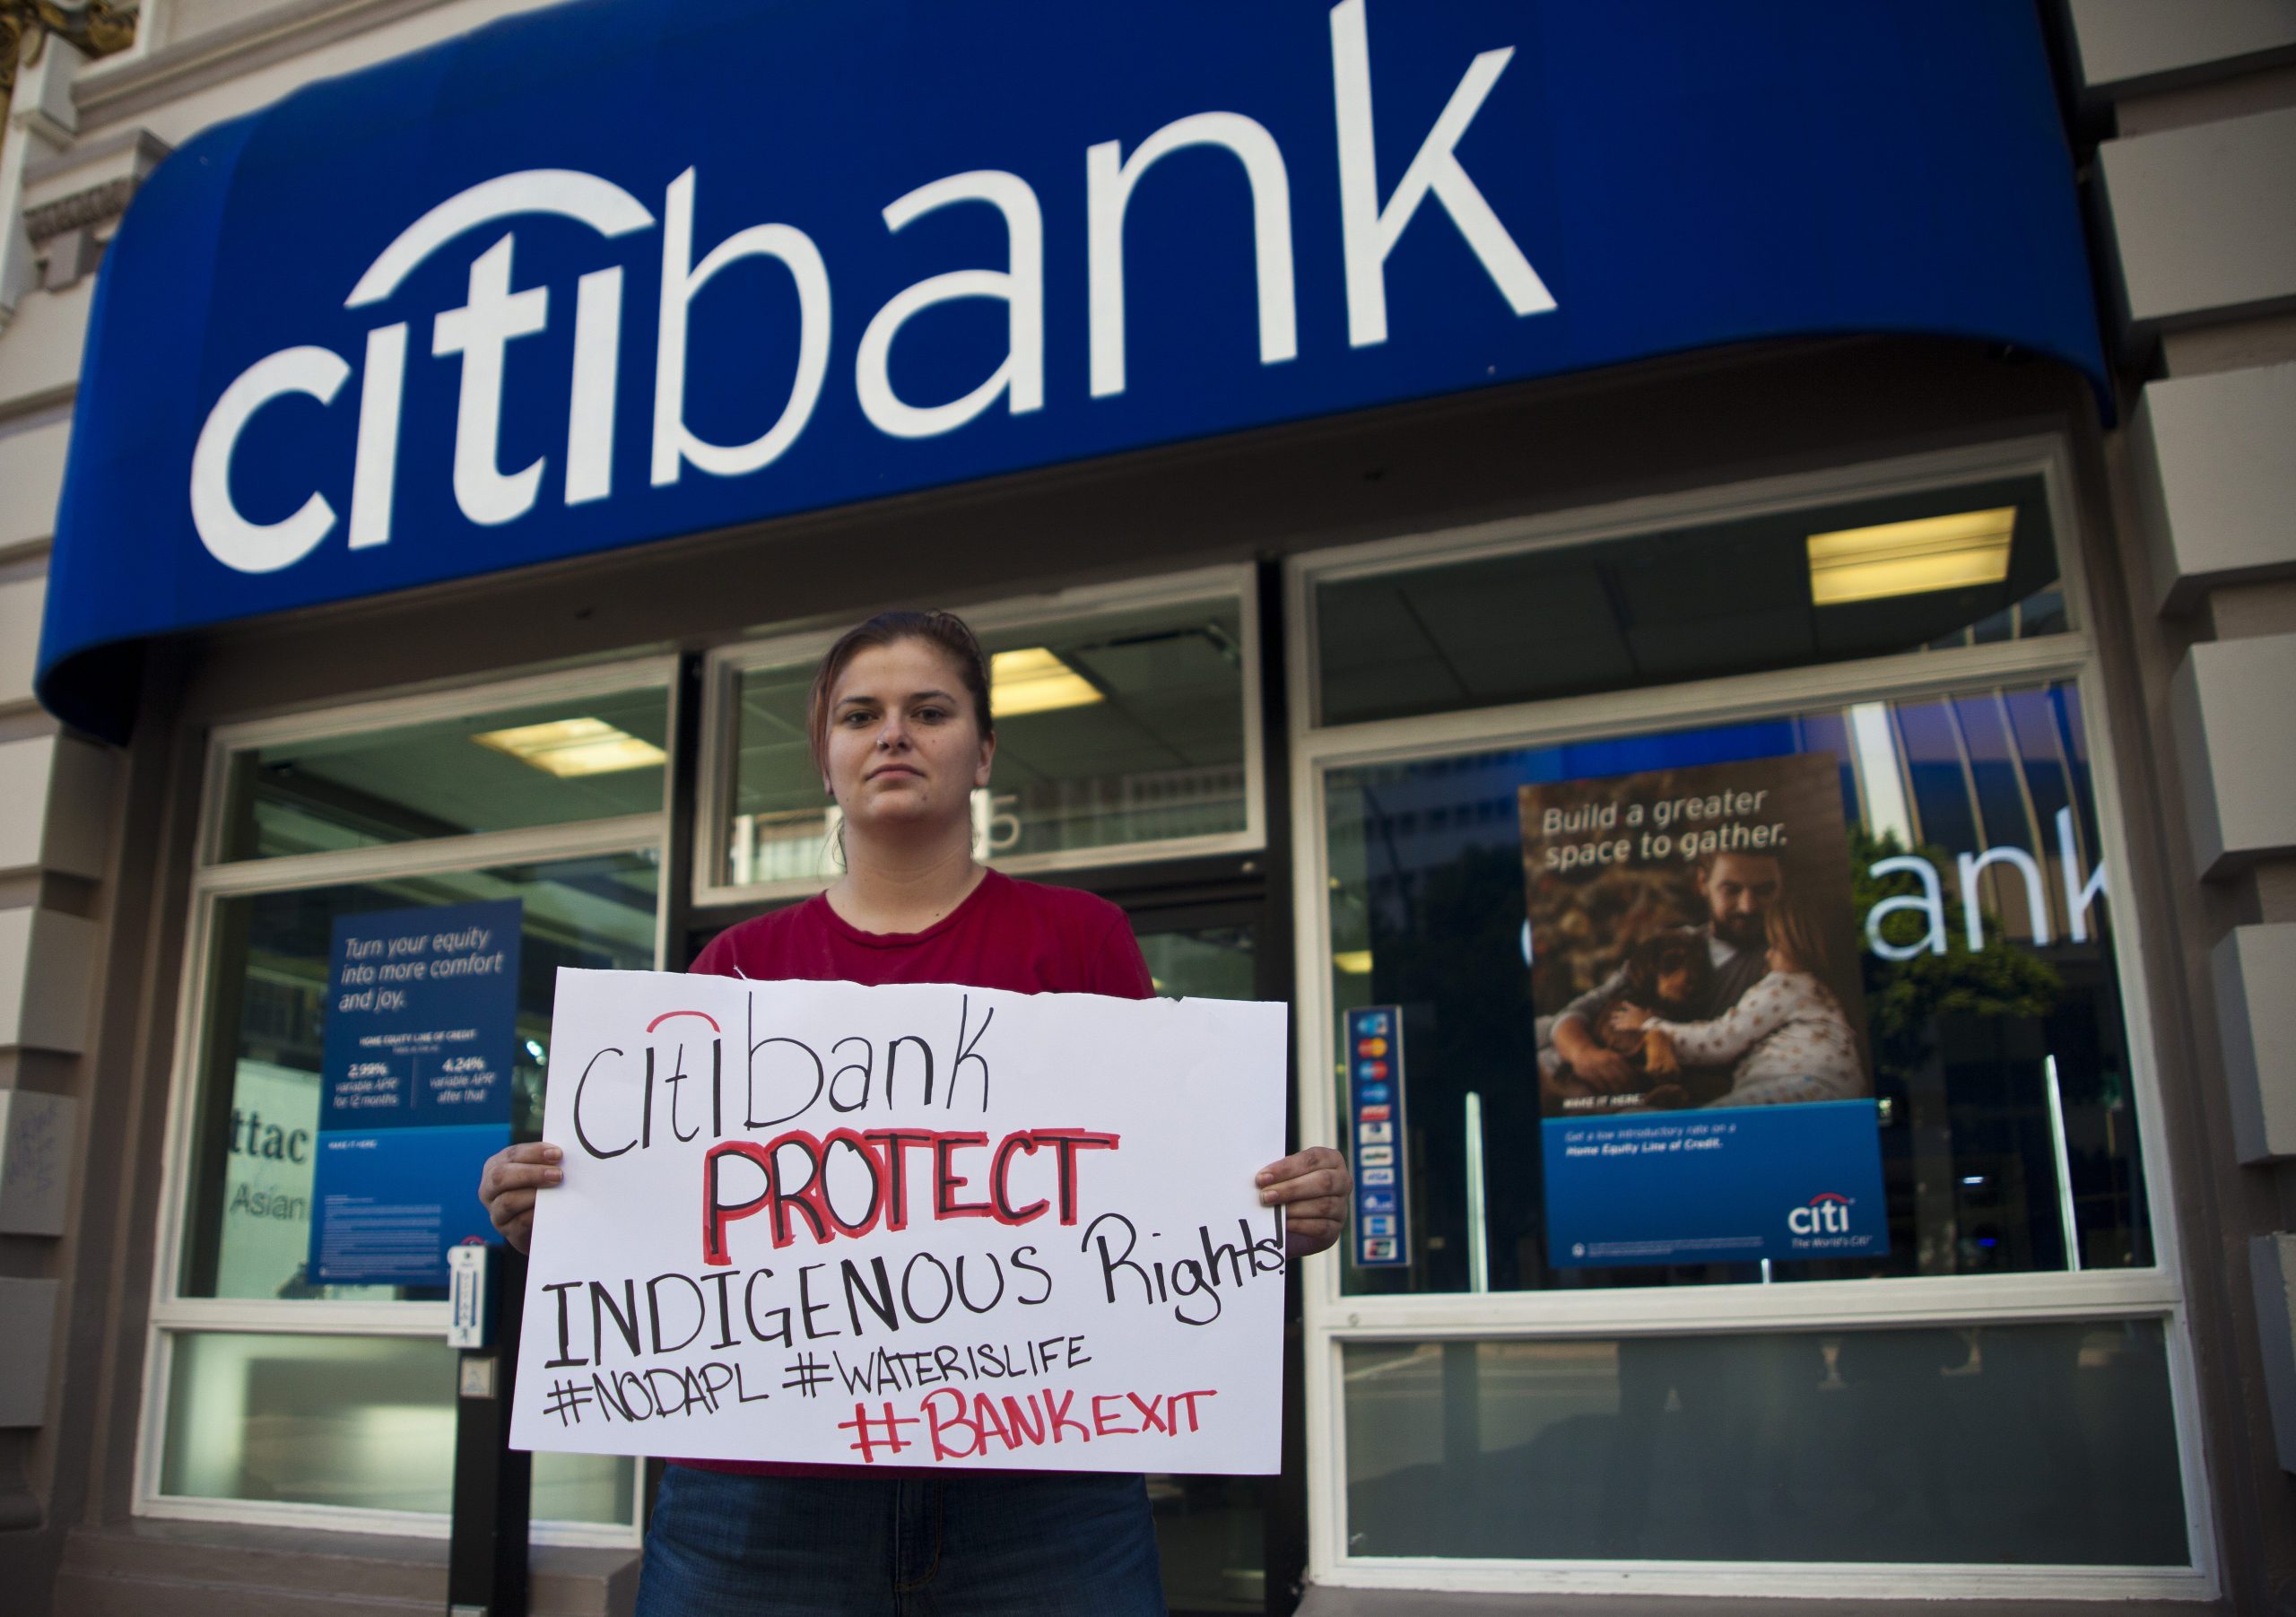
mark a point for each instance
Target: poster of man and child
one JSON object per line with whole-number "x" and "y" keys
{"x": 1706, "y": 1089}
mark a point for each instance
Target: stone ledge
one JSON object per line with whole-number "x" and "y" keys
{"x": 2127, "y": 45}
{"x": 164, "y": 1569}
{"x": 2228, "y": 705}
{"x": 1323, "y": 1600}
{"x": 2202, "y": 222}
{"x": 26, "y": 1349}
{"x": 46, "y": 973}
{"x": 2210, "y": 453}
{"x": 2251, "y": 968}
{"x": 2272, "y": 1270}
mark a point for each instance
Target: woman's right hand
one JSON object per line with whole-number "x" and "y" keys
{"x": 514, "y": 1176}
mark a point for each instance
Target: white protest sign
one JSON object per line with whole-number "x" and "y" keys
{"x": 909, "y": 1225}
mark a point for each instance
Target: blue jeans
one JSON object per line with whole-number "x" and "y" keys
{"x": 728, "y": 1545}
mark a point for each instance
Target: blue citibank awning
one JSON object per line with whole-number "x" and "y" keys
{"x": 619, "y": 271}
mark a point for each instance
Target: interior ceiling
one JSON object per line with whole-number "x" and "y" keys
{"x": 433, "y": 780}
{"x": 1173, "y": 699}
{"x": 1655, "y": 608}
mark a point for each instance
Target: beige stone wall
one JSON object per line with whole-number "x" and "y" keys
{"x": 82, "y": 1079}
{"x": 2194, "y": 106}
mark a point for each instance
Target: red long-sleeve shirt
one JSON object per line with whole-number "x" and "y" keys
{"x": 1007, "y": 934}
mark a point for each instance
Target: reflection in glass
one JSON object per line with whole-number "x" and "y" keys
{"x": 587, "y": 758}
{"x": 2008, "y": 1134}
{"x": 1695, "y": 603}
{"x": 1211, "y": 1531}
{"x": 360, "y": 1423}
{"x": 1997, "y": 1445}
{"x": 248, "y": 1223}
{"x": 1112, "y": 729}
{"x": 1203, "y": 962}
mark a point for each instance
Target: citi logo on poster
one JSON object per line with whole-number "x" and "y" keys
{"x": 1828, "y": 1213}
{"x": 498, "y": 313}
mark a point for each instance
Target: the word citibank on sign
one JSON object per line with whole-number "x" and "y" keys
{"x": 497, "y": 313}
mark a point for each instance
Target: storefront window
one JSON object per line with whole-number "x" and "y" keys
{"x": 1201, "y": 962}
{"x": 2044, "y": 1445}
{"x": 247, "y": 1229}
{"x": 361, "y": 1423}
{"x": 1723, "y": 1010}
{"x": 1974, "y": 564}
{"x": 1211, "y": 1531}
{"x": 1971, "y": 964}
{"x": 549, "y": 762}
{"x": 369, "y": 1019}
{"x": 1117, "y": 729}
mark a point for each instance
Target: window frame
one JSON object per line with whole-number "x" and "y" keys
{"x": 214, "y": 881}
{"x": 1334, "y": 1319}
{"x": 721, "y": 716}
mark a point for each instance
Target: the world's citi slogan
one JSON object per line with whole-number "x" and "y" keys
{"x": 912, "y": 1225}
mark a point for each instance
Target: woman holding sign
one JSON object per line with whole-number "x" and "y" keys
{"x": 901, "y": 731}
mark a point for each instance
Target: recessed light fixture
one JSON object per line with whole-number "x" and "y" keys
{"x": 1035, "y": 681}
{"x": 1955, "y": 552}
{"x": 567, "y": 747}
{"x": 1354, "y": 962}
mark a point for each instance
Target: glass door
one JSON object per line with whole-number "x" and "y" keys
{"x": 1212, "y": 1532}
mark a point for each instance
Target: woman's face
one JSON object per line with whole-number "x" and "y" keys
{"x": 904, "y": 745}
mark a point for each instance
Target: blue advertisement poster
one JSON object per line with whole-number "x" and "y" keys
{"x": 1375, "y": 1133}
{"x": 1706, "y": 1089}
{"x": 422, "y": 1016}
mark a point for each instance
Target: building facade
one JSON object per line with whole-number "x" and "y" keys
{"x": 1368, "y": 501}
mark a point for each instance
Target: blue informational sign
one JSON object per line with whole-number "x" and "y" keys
{"x": 1734, "y": 1186}
{"x": 422, "y": 1026}
{"x": 607, "y": 272}
{"x": 1375, "y": 1141}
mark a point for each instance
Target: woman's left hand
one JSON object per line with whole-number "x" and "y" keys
{"x": 1312, "y": 1187}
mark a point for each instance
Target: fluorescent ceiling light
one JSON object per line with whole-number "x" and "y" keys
{"x": 1034, "y": 681}
{"x": 573, "y": 746}
{"x": 1354, "y": 962}
{"x": 1956, "y": 551}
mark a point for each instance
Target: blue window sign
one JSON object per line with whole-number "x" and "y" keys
{"x": 422, "y": 1015}
{"x": 1781, "y": 1182}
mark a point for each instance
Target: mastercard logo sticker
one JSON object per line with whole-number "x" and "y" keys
{"x": 1371, "y": 1047}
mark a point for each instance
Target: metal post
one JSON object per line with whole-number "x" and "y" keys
{"x": 1478, "y": 1232}
{"x": 486, "y": 1559}
{"x": 2067, "y": 1219}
